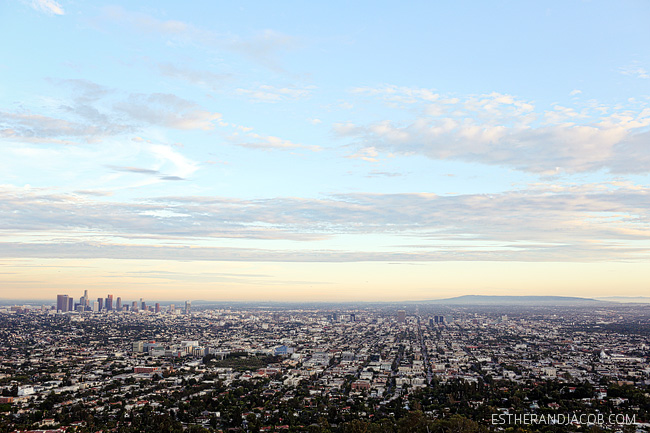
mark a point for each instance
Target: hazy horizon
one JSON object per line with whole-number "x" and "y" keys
{"x": 324, "y": 152}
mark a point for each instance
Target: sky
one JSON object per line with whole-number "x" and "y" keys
{"x": 324, "y": 151}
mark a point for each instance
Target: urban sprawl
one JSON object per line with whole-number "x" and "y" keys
{"x": 92, "y": 366}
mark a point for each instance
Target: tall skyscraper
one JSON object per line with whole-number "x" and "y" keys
{"x": 401, "y": 316}
{"x": 118, "y": 305}
{"x": 109, "y": 302}
{"x": 188, "y": 307}
{"x": 134, "y": 306}
{"x": 62, "y": 303}
{"x": 157, "y": 307}
{"x": 143, "y": 305}
{"x": 100, "y": 304}
{"x": 70, "y": 304}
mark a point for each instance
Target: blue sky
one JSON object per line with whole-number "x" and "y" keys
{"x": 303, "y": 150}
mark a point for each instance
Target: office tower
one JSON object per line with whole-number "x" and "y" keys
{"x": 157, "y": 307}
{"x": 70, "y": 304}
{"x": 118, "y": 305}
{"x": 172, "y": 308}
{"x": 134, "y": 306}
{"x": 109, "y": 302}
{"x": 100, "y": 304}
{"x": 401, "y": 316}
{"x": 353, "y": 317}
{"x": 61, "y": 303}
{"x": 188, "y": 307}
{"x": 143, "y": 305}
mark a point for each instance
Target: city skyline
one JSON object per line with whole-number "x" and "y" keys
{"x": 307, "y": 152}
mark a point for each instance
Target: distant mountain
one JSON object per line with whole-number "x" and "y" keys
{"x": 516, "y": 300}
{"x": 626, "y": 299}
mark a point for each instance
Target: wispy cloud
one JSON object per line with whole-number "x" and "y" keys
{"x": 264, "y": 47}
{"x": 32, "y": 127}
{"x": 93, "y": 192}
{"x": 145, "y": 171}
{"x": 167, "y": 110}
{"x": 253, "y": 140}
{"x": 93, "y": 112}
{"x": 48, "y": 6}
{"x": 200, "y": 78}
{"x": 376, "y": 173}
{"x": 543, "y": 223}
{"x": 635, "y": 70}
{"x": 266, "y": 93}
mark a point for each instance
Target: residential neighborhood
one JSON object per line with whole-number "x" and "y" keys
{"x": 318, "y": 369}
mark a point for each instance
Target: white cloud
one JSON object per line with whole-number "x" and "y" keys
{"x": 369, "y": 154}
{"x": 48, "y": 6}
{"x": 182, "y": 166}
{"x": 502, "y": 130}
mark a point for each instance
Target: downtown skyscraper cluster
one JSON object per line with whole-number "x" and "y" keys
{"x": 65, "y": 303}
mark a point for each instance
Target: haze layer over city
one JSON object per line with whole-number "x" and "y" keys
{"x": 322, "y": 151}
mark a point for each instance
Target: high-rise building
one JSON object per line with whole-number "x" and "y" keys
{"x": 62, "y": 303}
{"x": 157, "y": 307}
{"x": 109, "y": 302}
{"x": 100, "y": 304}
{"x": 70, "y": 304}
{"x": 172, "y": 308}
{"x": 134, "y": 306}
{"x": 188, "y": 307}
{"x": 118, "y": 305}
{"x": 401, "y": 316}
{"x": 84, "y": 301}
{"x": 143, "y": 305}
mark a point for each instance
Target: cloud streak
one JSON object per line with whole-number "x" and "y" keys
{"x": 47, "y": 6}
{"x": 588, "y": 222}
{"x": 263, "y": 47}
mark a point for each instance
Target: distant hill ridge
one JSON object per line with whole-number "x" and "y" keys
{"x": 517, "y": 300}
